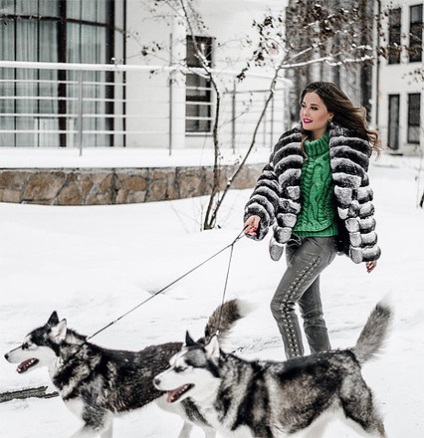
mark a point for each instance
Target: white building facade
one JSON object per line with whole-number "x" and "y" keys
{"x": 222, "y": 31}
{"x": 398, "y": 100}
{"x": 114, "y": 73}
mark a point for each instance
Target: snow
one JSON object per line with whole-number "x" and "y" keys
{"x": 118, "y": 157}
{"x": 93, "y": 264}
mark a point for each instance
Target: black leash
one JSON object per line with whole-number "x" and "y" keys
{"x": 231, "y": 245}
{"x": 225, "y": 288}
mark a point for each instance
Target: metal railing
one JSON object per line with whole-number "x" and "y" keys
{"x": 84, "y": 105}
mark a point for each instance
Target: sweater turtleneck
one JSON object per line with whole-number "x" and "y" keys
{"x": 317, "y": 217}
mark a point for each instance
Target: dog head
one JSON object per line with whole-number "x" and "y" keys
{"x": 193, "y": 372}
{"x": 40, "y": 347}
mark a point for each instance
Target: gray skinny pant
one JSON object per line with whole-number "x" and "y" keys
{"x": 306, "y": 258}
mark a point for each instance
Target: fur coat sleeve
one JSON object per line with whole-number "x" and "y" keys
{"x": 280, "y": 175}
{"x": 349, "y": 159}
{"x": 276, "y": 197}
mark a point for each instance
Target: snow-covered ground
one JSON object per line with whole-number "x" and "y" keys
{"x": 119, "y": 157}
{"x": 92, "y": 264}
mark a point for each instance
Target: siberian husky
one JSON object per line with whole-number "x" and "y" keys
{"x": 267, "y": 399}
{"x": 98, "y": 383}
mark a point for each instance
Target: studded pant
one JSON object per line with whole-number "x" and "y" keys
{"x": 306, "y": 258}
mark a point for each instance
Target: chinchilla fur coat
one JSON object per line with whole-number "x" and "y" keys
{"x": 276, "y": 198}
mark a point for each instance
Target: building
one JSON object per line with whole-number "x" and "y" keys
{"x": 399, "y": 79}
{"x": 114, "y": 73}
{"x": 37, "y": 104}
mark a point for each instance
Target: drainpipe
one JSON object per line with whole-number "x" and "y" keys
{"x": 171, "y": 95}
{"x": 377, "y": 79}
{"x": 177, "y": 92}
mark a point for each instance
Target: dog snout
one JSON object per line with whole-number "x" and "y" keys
{"x": 6, "y": 356}
{"x": 156, "y": 382}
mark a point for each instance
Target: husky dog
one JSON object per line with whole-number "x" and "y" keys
{"x": 98, "y": 383}
{"x": 267, "y": 399}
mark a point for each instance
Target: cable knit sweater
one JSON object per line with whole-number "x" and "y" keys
{"x": 277, "y": 199}
{"x": 317, "y": 216}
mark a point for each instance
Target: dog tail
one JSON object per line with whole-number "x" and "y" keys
{"x": 373, "y": 335}
{"x": 223, "y": 319}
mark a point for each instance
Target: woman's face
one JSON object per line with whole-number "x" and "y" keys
{"x": 314, "y": 115}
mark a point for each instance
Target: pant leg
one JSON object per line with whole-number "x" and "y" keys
{"x": 313, "y": 318}
{"x": 306, "y": 259}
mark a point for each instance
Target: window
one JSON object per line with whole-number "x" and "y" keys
{"x": 393, "y": 137}
{"x": 198, "y": 88}
{"x": 415, "y": 33}
{"x": 76, "y": 31}
{"x": 395, "y": 48}
{"x": 414, "y": 116}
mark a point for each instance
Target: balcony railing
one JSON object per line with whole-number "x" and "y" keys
{"x": 86, "y": 105}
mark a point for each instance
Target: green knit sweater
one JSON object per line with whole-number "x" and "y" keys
{"x": 317, "y": 217}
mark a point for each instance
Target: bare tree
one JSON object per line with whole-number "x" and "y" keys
{"x": 311, "y": 38}
{"x": 337, "y": 34}
{"x": 316, "y": 35}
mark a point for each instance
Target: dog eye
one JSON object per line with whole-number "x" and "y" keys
{"x": 179, "y": 369}
{"x": 27, "y": 346}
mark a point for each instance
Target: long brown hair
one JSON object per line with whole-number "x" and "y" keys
{"x": 345, "y": 113}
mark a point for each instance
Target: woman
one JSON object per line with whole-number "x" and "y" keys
{"x": 315, "y": 192}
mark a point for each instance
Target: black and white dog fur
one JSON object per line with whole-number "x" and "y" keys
{"x": 98, "y": 383}
{"x": 267, "y": 399}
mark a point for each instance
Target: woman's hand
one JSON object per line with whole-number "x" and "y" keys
{"x": 251, "y": 225}
{"x": 370, "y": 266}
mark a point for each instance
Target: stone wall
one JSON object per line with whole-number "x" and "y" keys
{"x": 114, "y": 186}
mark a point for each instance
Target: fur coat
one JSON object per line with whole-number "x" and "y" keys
{"x": 276, "y": 198}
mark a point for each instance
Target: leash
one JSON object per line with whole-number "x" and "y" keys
{"x": 231, "y": 246}
{"x": 225, "y": 288}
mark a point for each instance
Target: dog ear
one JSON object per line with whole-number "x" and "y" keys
{"x": 212, "y": 348}
{"x": 54, "y": 319}
{"x": 59, "y": 331}
{"x": 189, "y": 340}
